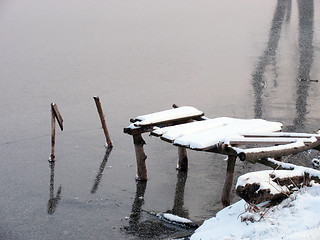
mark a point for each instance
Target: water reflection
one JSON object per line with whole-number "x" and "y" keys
{"x": 101, "y": 169}
{"x": 137, "y": 204}
{"x": 54, "y": 199}
{"x": 178, "y": 208}
{"x": 306, "y": 12}
{"x": 152, "y": 227}
{"x": 283, "y": 8}
{"x": 306, "y": 28}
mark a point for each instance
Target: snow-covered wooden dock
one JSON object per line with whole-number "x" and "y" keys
{"x": 248, "y": 139}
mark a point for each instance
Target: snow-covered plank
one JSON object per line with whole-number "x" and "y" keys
{"x": 282, "y": 134}
{"x": 171, "y": 133}
{"x": 198, "y": 137}
{"x": 253, "y": 154}
{"x": 167, "y": 115}
{"x": 269, "y": 140}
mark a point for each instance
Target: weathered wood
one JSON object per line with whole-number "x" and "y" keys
{"x": 53, "y": 136}
{"x": 103, "y": 121}
{"x": 228, "y": 182}
{"x": 268, "y": 140}
{"x": 312, "y": 173}
{"x": 282, "y": 135}
{"x": 55, "y": 110}
{"x": 182, "y": 163}
{"x": 279, "y": 187}
{"x": 252, "y": 155}
{"x": 140, "y": 157}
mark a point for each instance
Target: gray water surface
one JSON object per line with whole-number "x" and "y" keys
{"x": 227, "y": 58}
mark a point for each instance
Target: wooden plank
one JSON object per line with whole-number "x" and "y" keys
{"x": 168, "y": 122}
{"x": 253, "y": 154}
{"x": 282, "y": 134}
{"x": 176, "y": 114}
{"x": 57, "y": 114}
{"x": 269, "y": 140}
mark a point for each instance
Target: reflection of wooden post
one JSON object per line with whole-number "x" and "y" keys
{"x": 140, "y": 157}
{"x": 228, "y": 182}
{"x": 101, "y": 169}
{"x": 55, "y": 114}
{"x": 183, "y": 159}
{"x": 103, "y": 121}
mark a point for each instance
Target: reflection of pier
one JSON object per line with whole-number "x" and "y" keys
{"x": 148, "y": 228}
{"x": 137, "y": 204}
{"x": 178, "y": 203}
{"x": 306, "y": 27}
{"x": 101, "y": 169}
{"x": 306, "y": 12}
{"x": 283, "y": 8}
{"x": 53, "y": 200}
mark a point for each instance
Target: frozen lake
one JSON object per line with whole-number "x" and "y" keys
{"x": 241, "y": 59}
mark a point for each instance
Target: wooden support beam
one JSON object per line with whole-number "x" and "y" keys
{"x": 228, "y": 182}
{"x": 253, "y": 155}
{"x": 182, "y": 163}
{"x": 268, "y": 140}
{"x": 140, "y": 157}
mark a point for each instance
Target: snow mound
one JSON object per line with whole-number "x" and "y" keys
{"x": 295, "y": 218}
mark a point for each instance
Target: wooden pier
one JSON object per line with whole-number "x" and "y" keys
{"x": 247, "y": 139}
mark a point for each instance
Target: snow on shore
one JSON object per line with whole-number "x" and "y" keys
{"x": 297, "y": 217}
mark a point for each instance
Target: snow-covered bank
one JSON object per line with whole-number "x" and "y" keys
{"x": 295, "y": 218}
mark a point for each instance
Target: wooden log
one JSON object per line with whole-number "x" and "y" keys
{"x": 228, "y": 182}
{"x": 140, "y": 157}
{"x": 269, "y": 140}
{"x": 253, "y": 155}
{"x": 182, "y": 163}
{"x": 103, "y": 121}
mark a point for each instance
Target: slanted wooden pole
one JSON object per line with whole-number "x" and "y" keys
{"x": 103, "y": 121}
{"x": 55, "y": 114}
{"x": 140, "y": 157}
{"x": 53, "y": 136}
{"x": 228, "y": 182}
{"x": 182, "y": 163}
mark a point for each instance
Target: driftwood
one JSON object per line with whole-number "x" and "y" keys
{"x": 253, "y": 194}
{"x": 308, "y": 172}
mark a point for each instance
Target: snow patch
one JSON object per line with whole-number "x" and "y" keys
{"x": 295, "y": 218}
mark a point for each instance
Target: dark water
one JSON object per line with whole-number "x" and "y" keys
{"x": 228, "y": 58}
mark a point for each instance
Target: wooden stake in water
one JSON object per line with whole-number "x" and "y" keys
{"x": 103, "y": 121}
{"x": 55, "y": 114}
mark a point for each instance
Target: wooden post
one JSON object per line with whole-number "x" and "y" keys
{"x": 228, "y": 182}
{"x": 182, "y": 163}
{"x": 53, "y": 136}
{"x": 140, "y": 157}
{"x": 103, "y": 121}
{"x": 55, "y": 114}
